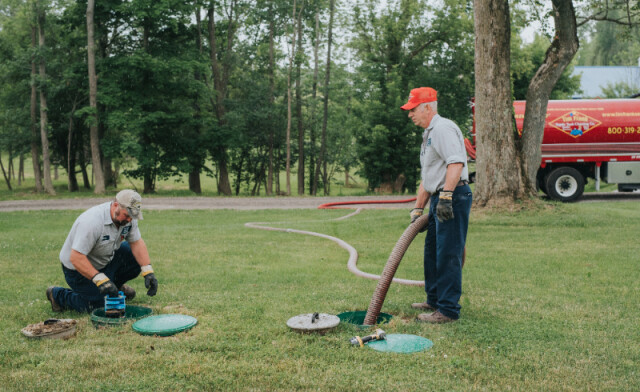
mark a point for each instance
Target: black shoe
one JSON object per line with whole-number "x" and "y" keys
{"x": 54, "y": 305}
{"x": 128, "y": 291}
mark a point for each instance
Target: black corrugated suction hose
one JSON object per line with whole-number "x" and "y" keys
{"x": 390, "y": 268}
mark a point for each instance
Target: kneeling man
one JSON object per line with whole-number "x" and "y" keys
{"x": 103, "y": 251}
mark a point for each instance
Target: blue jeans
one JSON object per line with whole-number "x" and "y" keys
{"x": 443, "y": 248}
{"x": 84, "y": 295}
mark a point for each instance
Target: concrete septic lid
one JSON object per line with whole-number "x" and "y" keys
{"x": 51, "y": 329}
{"x": 164, "y": 324}
{"x": 401, "y": 343}
{"x": 313, "y": 322}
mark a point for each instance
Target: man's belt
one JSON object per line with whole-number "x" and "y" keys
{"x": 460, "y": 183}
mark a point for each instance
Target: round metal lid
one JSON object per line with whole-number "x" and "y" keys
{"x": 164, "y": 324}
{"x": 401, "y": 343}
{"x": 312, "y": 322}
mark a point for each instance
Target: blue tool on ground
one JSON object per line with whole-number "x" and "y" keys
{"x": 114, "y": 306}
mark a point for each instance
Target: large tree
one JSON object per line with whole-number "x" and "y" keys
{"x": 223, "y": 63}
{"x": 497, "y": 176}
{"x": 507, "y": 166}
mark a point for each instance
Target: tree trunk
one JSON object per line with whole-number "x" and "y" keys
{"x": 299, "y": 108}
{"x": 107, "y": 167}
{"x": 498, "y": 171}
{"x": 220, "y": 80}
{"x": 562, "y": 50}
{"x": 312, "y": 128}
{"x": 44, "y": 124}
{"x": 93, "y": 93}
{"x": 149, "y": 185}
{"x": 196, "y": 163}
{"x": 35, "y": 150}
{"x": 323, "y": 143}
{"x": 272, "y": 89}
{"x": 10, "y": 167}
{"x": 71, "y": 154}
{"x": 21, "y": 170}
{"x": 243, "y": 155}
{"x": 277, "y": 172}
{"x": 6, "y": 178}
{"x": 289, "y": 71}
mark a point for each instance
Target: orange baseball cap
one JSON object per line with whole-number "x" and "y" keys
{"x": 420, "y": 95}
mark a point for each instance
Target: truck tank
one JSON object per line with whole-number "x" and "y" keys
{"x": 587, "y": 138}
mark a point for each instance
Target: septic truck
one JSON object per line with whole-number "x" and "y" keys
{"x": 586, "y": 138}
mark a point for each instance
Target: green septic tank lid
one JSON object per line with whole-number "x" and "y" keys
{"x": 164, "y": 324}
{"x": 357, "y": 318}
{"x": 401, "y": 343}
{"x": 99, "y": 317}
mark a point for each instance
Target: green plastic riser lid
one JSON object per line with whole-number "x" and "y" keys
{"x": 164, "y": 324}
{"x": 401, "y": 343}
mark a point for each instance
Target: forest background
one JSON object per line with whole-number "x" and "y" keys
{"x": 250, "y": 92}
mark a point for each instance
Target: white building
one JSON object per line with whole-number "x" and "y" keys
{"x": 595, "y": 78}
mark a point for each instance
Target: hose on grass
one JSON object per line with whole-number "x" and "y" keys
{"x": 353, "y": 253}
{"x": 387, "y": 277}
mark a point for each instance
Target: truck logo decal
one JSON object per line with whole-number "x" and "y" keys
{"x": 574, "y": 124}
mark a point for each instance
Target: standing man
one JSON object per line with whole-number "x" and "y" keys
{"x": 103, "y": 251}
{"x": 445, "y": 181}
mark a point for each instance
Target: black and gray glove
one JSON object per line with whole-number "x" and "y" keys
{"x": 105, "y": 285}
{"x": 150, "y": 281}
{"x": 444, "y": 210}
{"x": 416, "y": 213}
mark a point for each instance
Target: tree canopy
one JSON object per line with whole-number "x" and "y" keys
{"x": 206, "y": 87}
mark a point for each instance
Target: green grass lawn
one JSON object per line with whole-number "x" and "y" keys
{"x": 550, "y": 303}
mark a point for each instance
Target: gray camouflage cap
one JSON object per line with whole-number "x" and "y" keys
{"x": 132, "y": 201}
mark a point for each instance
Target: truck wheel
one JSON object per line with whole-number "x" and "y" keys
{"x": 564, "y": 184}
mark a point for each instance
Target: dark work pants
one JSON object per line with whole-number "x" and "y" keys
{"x": 84, "y": 295}
{"x": 443, "y": 248}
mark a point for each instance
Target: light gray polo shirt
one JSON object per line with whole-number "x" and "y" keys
{"x": 95, "y": 235}
{"x": 442, "y": 144}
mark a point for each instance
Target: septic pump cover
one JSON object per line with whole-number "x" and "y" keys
{"x": 51, "y": 329}
{"x": 401, "y": 343}
{"x": 164, "y": 324}
{"x": 313, "y": 322}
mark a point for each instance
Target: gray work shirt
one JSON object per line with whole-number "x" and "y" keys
{"x": 95, "y": 235}
{"x": 442, "y": 144}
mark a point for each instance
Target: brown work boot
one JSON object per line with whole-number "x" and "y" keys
{"x": 423, "y": 306}
{"x": 54, "y": 305}
{"x": 435, "y": 318}
{"x": 128, "y": 291}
